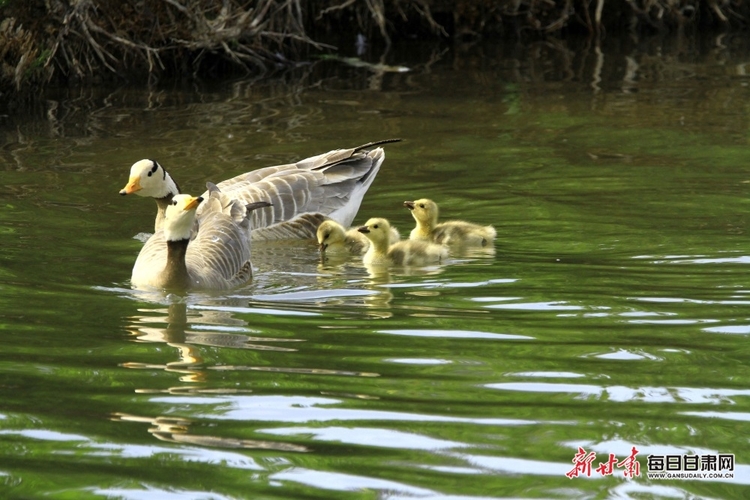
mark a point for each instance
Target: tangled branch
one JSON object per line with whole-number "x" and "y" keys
{"x": 83, "y": 39}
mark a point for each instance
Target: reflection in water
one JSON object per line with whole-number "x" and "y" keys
{"x": 186, "y": 341}
{"x": 192, "y": 367}
{"x": 382, "y": 280}
{"x": 176, "y": 430}
{"x": 277, "y": 110}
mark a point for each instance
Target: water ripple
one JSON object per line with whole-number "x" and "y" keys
{"x": 620, "y": 394}
{"x": 727, "y": 415}
{"x": 150, "y": 493}
{"x": 300, "y": 409}
{"x": 256, "y": 310}
{"x": 420, "y": 361}
{"x": 365, "y": 436}
{"x": 345, "y": 482}
{"x": 694, "y": 259}
{"x": 464, "y": 334}
{"x": 537, "y": 306}
{"x": 314, "y": 295}
{"x": 729, "y": 329}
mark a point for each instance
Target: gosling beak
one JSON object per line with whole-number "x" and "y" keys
{"x": 133, "y": 186}
{"x": 409, "y": 205}
{"x": 193, "y": 203}
{"x": 363, "y": 229}
{"x": 322, "y": 247}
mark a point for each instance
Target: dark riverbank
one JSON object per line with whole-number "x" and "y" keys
{"x": 89, "y": 41}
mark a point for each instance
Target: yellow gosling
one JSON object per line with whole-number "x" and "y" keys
{"x": 453, "y": 233}
{"x": 334, "y": 239}
{"x": 401, "y": 253}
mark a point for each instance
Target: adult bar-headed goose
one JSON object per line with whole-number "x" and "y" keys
{"x": 303, "y": 194}
{"x": 334, "y": 239}
{"x": 215, "y": 257}
{"x": 454, "y": 232}
{"x": 402, "y": 253}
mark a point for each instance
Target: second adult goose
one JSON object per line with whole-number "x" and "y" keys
{"x": 334, "y": 239}
{"x": 215, "y": 257}
{"x": 303, "y": 194}
{"x": 402, "y": 253}
{"x": 454, "y": 232}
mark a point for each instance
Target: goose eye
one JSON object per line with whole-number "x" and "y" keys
{"x": 153, "y": 169}
{"x": 173, "y": 202}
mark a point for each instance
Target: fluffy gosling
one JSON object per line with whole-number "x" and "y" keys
{"x": 454, "y": 232}
{"x": 401, "y": 253}
{"x": 334, "y": 239}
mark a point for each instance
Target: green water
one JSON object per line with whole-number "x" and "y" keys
{"x": 613, "y": 314}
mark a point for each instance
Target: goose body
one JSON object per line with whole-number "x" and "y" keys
{"x": 216, "y": 256}
{"x": 334, "y": 239}
{"x": 453, "y": 233}
{"x": 303, "y": 194}
{"x": 401, "y": 253}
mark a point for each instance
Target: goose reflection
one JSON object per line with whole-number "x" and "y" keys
{"x": 220, "y": 329}
{"x": 375, "y": 289}
{"x": 177, "y": 430}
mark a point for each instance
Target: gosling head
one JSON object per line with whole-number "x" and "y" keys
{"x": 424, "y": 211}
{"x": 149, "y": 179}
{"x": 179, "y": 217}
{"x": 377, "y": 230}
{"x": 329, "y": 233}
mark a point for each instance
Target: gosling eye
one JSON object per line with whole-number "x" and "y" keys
{"x": 375, "y": 226}
{"x": 325, "y": 236}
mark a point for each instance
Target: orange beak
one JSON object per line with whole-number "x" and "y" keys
{"x": 193, "y": 202}
{"x": 133, "y": 185}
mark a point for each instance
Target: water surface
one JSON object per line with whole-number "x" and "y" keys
{"x": 612, "y": 314}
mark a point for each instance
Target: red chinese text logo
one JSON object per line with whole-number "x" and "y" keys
{"x": 583, "y": 460}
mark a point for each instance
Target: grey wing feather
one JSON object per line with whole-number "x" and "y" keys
{"x": 219, "y": 256}
{"x": 329, "y": 185}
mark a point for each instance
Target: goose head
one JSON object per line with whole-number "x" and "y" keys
{"x": 149, "y": 179}
{"x": 179, "y": 217}
{"x": 424, "y": 211}
{"x": 329, "y": 233}
{"x": 377, "y": 230}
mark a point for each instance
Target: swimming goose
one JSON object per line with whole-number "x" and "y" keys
{"x": 402, "y": 253}
{"x": 216, "y": 256}
{"x": 303, "y": 194}
{"x": 333, "y": 239}
{"x": 454, "y": 232}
